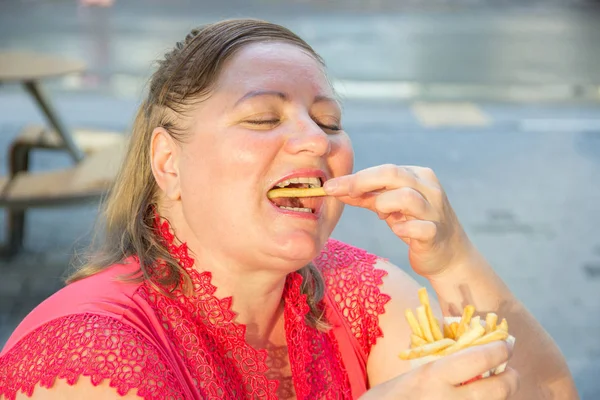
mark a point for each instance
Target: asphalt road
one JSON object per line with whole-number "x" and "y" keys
{"x": 489, "y": 97}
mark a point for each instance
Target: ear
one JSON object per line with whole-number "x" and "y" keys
{"x": 164, "y": 161}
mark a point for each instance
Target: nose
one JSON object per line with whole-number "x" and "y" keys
{"x": 308, "y": 138}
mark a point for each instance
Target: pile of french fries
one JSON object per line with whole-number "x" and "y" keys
{"x": 430, "y": 338}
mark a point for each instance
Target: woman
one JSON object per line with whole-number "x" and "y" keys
{"x": 207, "y": 289}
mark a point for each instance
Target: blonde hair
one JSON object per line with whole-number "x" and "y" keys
{"x": 185, "y": 75}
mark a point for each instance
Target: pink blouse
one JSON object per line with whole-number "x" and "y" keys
{"x": 190, "y": 347}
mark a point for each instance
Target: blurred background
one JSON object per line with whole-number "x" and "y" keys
{"x": 499, "y": 97}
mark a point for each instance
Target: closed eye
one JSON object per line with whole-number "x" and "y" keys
{"x": 272, "y": 122}
{"x": 330, "y": 127}
{"x": 263, "y": 122}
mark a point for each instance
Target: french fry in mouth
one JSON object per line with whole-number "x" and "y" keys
{"x": 296, "y": 192}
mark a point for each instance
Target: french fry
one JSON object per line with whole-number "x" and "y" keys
{"x": 428, "y": 349}
{"x": 503, "y": 325}
{"x": 429, "y": 337}
{"x": 423, "y": 296}
{"x": 414, "y": 325}
{"x": 465, "y": 320}
{"x": 491, "y": 319}
{"x": 454, "y": 329}
{"x": 433, "y": 323}
{"x": 475, "y": 321}
{"x": 465, "y": 340}
{"x": 448, "y": 332}
{"x": 296, "y": 192}
{"x": 417, "y": 341}
{"x": 424, "y": 322}
{"x": 491, "y": 337}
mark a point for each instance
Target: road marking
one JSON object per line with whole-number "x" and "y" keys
{"x": 560, "y": 125}
{"x": 382, "y": 90}
{"x": 435, "y": 115}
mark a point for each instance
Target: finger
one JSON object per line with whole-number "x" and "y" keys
{"x": 366, "y": 201}
{"x": 382, "y": 177}
{"x": 406, "y": 200}
{"x": 497, "y": 387}
{"x": 415, "y": 229}
{"x": 424, "y": 173}
{"x": 466, "y": 364}
{"x": 382, "y": 216}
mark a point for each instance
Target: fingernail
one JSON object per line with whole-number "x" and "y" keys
{"x": 331, "y": 186}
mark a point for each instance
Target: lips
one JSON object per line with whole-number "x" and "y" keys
{"x": 300, "y": 179}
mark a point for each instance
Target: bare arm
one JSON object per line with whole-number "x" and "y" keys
{"x": 411, "y": 200}
{"x": 80, "y": 346}
{"x": 383, "y": 363}
{"x": 542, "y": 367}
{"x": 83, "y": 389}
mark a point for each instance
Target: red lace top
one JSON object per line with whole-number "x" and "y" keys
{"x": 190, "y": 347}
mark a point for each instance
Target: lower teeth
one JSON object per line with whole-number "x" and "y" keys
{"x": 307, "y": 210}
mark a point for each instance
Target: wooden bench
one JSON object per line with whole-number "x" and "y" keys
{"x": 88, "y": 180}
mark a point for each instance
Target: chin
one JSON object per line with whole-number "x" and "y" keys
{"x": 299, "y": 247}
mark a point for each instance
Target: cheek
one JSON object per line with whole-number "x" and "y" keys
{"x": 250, "y": 151}
{"x": 341, "y": 156}
{"x": 235, "y": 160}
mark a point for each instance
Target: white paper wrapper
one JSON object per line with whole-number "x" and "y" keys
{"x": 414, "y": 363}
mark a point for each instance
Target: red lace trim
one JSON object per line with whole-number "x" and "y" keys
{"x": 214, "y": 347}
{"x": 90, "y": 345}
{"x": 316, "y": 361}
{"x": 353, "y": 282}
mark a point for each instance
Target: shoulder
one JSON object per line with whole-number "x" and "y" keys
{"x": 105, "y": 293}
{"x": 372, "y": 295}
{"x": 383, "y": 362}
{"x": 83, "y": 389}
{"x": 347, "y": 269}
{"x": 353, "y": 280}
{"x": 339, "y": 261}
{"x": 110, "y": 356}
{"x": 338, "y": 256}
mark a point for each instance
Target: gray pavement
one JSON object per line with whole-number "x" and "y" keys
{"x": 522, "y": 174}
{"x": 490, "y": 44}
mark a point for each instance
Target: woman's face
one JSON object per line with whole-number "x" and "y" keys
{"x": 272, "y": 117}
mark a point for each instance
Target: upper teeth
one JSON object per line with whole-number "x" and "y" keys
{"x": 312, "y": 182}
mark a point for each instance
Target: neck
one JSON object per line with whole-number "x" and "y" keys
{"x": 256, "y": 293}
{"x": 256, "y": 297}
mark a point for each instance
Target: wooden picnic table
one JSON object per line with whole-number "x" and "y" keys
{"x": 96, "y": 154}
{"x": 30, "y": 69}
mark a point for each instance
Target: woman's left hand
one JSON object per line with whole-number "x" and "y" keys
{"x": 414, "y": 205}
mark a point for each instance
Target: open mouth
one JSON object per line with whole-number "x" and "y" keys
{"x": 299, "y": 204}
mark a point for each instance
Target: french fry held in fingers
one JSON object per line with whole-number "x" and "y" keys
{"x": 296, "y": 192}
{"x": 430, "y": 340}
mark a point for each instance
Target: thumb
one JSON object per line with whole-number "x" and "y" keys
{"x": 467, "y": 364}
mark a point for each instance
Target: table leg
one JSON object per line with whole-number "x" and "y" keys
{"x": 51, "y": 115}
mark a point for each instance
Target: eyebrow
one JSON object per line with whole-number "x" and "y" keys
{"x": 282, "y": 96}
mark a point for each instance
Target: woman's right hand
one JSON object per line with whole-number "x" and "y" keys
{"x": 440, "y": 379}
